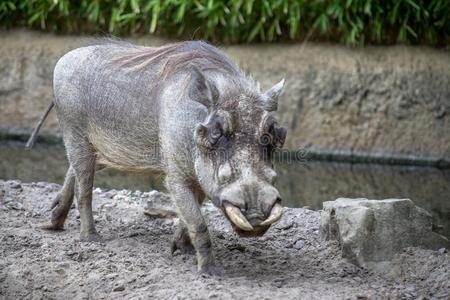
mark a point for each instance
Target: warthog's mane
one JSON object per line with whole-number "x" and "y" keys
{"x": 169, "y": 59}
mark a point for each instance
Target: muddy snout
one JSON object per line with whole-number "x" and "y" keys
{"x": 252, "y": 222}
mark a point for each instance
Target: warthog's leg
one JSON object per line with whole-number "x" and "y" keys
{"x": 181, "y": 240}
{"x": 82, "y": 159}
{"x": 62, "y": 202}
{"x": 184, "y": 197}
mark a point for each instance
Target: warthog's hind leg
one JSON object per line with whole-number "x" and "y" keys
{"x": 82, "y": 159}
{"x": 62, "y": 202}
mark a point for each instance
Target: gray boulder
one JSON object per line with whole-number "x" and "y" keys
{"x": 372, "y": 231}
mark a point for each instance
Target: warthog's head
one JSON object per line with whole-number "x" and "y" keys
{"x": 235, "y": 145}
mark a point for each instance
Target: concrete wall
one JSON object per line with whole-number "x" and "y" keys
{"x": 377, "y": 101}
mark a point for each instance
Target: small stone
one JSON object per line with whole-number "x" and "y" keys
{"x": 108, "y": 195}
{"x": 111, "y": 275}
{"x": 15, "y": 205}
{"x": 299, "y": 244}
{"x": 159, "y": 213}
{"x": 284, "y": 224}
{"x": 41, "y": 184}
{"x": 442, "y": 250}
{"x": 14, "y": 184}
{"x": 119, "y": 288}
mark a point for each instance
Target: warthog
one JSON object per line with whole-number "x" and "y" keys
{"x": 184, "y": 110}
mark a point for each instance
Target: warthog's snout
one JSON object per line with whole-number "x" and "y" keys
{"x": 252, "y": 222}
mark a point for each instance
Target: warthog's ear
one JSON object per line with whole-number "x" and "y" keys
{"x": 271, "y": 96}
{"x": 202, "y": 90}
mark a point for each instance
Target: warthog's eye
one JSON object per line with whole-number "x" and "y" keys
{"x": 272, "y": 136}
{"x": 209, "y": 135}
{"x": 215, "y": 132}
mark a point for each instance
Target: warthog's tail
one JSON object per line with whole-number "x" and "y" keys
{"x": 33, "y": 136}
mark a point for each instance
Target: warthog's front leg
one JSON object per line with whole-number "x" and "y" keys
{"x": 188, "y": 207}
{"x": 182, "y": 241}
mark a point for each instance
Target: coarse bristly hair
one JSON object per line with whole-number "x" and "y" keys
{"x": 175, "y": 56}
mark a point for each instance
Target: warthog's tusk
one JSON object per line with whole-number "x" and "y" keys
{"x": 237, "y": 217}
{"x": 275, "y": 215}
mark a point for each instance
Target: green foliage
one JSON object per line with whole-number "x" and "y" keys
{"x": 349, "y": 21}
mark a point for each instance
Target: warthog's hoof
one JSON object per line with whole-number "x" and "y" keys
{"x": 91, "y": 237}
{"x": 51, "y": 226}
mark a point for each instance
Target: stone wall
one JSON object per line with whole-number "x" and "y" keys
{"x": 373, "y": 102}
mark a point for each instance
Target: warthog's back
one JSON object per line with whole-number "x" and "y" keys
{"x": 113, "y": 94}
{"x": 113, "y": 105}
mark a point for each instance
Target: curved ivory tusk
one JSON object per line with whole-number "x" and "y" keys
{"x": 275, "y": 215}
{"x": 237, "y": 217}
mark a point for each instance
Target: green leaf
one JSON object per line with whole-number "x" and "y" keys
{"x": 155, "y": 15}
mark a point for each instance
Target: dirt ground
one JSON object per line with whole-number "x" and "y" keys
{"x": 134, "y": 261}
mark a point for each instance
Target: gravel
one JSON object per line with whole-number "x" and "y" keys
{"x": 134, "y": 261}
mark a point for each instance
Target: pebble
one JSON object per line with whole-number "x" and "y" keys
{"x": 119, "y": 288}
{"x": 284, "y": 224}
{"x": 108, "y": 195}
{"x": 41, "y": 184}
{"x": 111, "y": 275}
{"x": 15, "y": 184}
{"x": 299, "y": 244}
{"x": 15, "y": 205}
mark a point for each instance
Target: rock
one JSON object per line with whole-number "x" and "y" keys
{"x": 299, "y": 244}
{"x": 119, "y": 288}
{"x": 15, "y": 184}
{"x": 15, "y": 205}
{"x": 108, "y": 195}
{"x": 159, "y": 205}
{"x": 159, "y": 213}
{"x": 372, "y": 231}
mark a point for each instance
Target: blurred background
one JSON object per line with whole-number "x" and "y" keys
{"x": 367, "y": 98}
